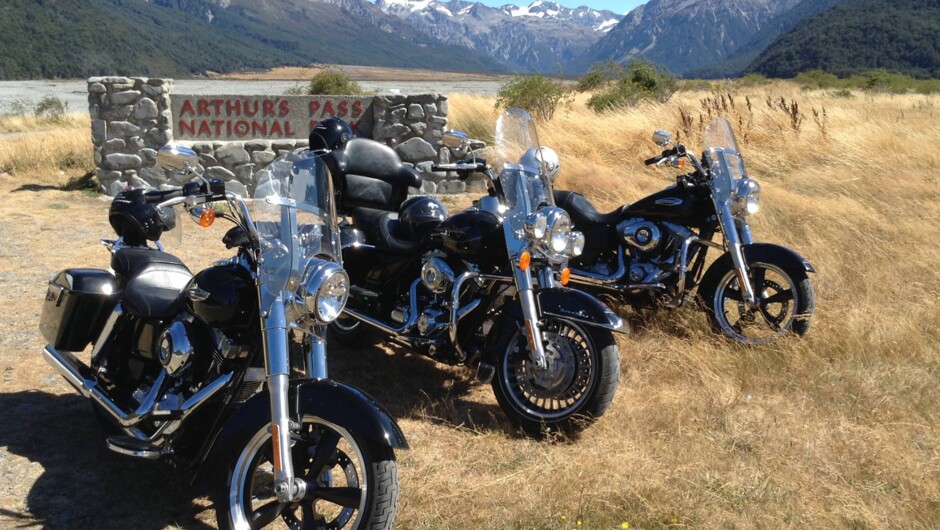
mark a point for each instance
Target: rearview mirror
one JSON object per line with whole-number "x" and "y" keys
{"x": 662, "y": 138}
{"x": 177, "y": 159}
{"x": 455, "y": 139}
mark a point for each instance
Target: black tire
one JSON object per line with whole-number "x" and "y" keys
{"x": 571, "y": 396}
{"x": 352, "y": 333}
{"x": 245, "y": 487}
{"x": 787, "y": 301}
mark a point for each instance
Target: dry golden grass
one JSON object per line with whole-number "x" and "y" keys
{"x": 837, "y": 430}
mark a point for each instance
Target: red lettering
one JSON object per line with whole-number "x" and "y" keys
{"x": 242, "y": 128}
{"x": 313, "y": 124}
{"x": 259, "y": 128}
{"x": 203, "y": 106}
{"x": 251, "y": 111}
{"x": 187, "y": 127}
{"x": 343, "y": 108}
{"x": 204, "y": 129}
{"x": 218, "y": 126}
{"x": 228, "y": 128}
{"x": 217, "y": 103}
{"x": 285, "y": 108}
{"x": 276, "y": 129}
{"x": 328, "y": 109}
{"x": 357, "y": 108}
{"x": 188, "y": 108}
{"x": 233, "y": 107}
{"x": 314, "y": 107}
{"x": 288, "y": 130}
{"x": 268, "y": 107}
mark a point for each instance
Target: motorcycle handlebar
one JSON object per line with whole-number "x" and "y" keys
{"x": 214, "y": 188}
{"x": 657, "y": 159}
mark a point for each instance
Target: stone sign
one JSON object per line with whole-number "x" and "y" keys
{"x": 240, "y": 118}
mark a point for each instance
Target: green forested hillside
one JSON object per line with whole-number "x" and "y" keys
{"x": 860, "y": 35}
{"x": 80, "y": 38}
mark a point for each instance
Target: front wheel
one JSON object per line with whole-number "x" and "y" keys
{"x": 785, "y": 301}
{"x": 351, "y": 483}
{"x": 577, "y": 386}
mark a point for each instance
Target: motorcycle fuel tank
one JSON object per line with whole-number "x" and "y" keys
{"x": 473, "y": 234}
{"x": 224, "y": 296}
{"x": 670, "y": 204}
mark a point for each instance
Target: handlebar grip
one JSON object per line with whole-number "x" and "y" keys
{"x": 654, "y": 160}
{"x": 156, "y": 197}
{"x": 665, "y": 154}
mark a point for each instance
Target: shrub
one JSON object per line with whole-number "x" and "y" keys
{"x": 630, "y": 84}
{"x": 330, "y": 82}
{"x": 51, "y": 109}
{"x": 537, "y": 94}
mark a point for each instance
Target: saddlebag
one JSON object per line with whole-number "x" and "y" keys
{"x": 77, "y": 305}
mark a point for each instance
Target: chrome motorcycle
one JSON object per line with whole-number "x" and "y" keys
{"x": 652, "y": 252}
{"x": 200, "y": 371}
{"x": 482, "y": 288}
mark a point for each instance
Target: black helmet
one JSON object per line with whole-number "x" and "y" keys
{"x": 419, "y": 215}
{"x": 137, "y": 221}
{"x": 330, "y": 134}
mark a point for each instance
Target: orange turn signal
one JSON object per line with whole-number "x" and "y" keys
{"x": 207, "y": 218}
{"x": 525, "y": 260}
{"x": 681, "y": 163}
{"x": 565, "y": 276}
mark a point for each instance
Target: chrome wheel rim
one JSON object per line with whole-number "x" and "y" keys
{"x": 777, "y": 295}
{"x": 341, "y": 478}
{"x": 565, "y": 385}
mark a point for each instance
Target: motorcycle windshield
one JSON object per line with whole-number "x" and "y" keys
{"x": 295, "y": 219}
{"x": 723, "y": 156}
{"x": 526, "y": 188}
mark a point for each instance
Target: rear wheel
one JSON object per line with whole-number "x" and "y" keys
{"x": 576, "y": 387}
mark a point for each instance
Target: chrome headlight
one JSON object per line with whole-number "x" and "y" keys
{"x": 575, "y": 244}
{"x": 536, "y": 224}
{"x": 325, "y": 291}
{"x": 746, "y": 198}
{"x": 559, "y": 228}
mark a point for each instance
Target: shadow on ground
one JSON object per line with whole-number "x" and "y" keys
{"x": 83, "y": 484}
{"x": 415, "y": 387}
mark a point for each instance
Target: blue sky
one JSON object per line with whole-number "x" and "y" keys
{"x": 617, "y": 6}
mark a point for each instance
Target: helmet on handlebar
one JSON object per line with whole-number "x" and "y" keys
{"x": 330, "y": 134}
{"x": 137, "y": 221}
{"x": 542, "y": 157}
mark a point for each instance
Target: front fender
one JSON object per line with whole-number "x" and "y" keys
{"x": 349, "y": 408}
{"x": 578, "y": 306}
{"x": 777, "y": 254}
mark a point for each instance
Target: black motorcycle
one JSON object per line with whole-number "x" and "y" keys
{"x": 652, "y": 252}
{"x": 483, "y": 287}
{"x": 200, "y": 371}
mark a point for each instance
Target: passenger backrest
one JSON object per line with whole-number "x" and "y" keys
{"x": 369, "y": 174}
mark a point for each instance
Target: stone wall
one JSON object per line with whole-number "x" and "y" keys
{"x": 132, "y": 119}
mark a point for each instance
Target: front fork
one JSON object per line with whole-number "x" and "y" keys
{"x": 287, "y": 487}
{"x": 737, "y": 234}
{"x": 530, "y": 317}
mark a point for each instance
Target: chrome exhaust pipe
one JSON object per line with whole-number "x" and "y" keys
{"x": 82, "y": 379}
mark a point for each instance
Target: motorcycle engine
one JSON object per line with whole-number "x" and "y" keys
{"x": 653, "y": 249}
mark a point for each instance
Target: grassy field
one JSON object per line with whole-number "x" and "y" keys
{"x": 837, "y": 430}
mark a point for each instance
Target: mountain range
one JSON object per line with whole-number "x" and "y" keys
{"x": 709, "y": 38}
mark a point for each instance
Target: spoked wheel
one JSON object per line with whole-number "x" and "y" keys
{"x": 576, "y": 387}
{"x": 785, "y": 303}
{"x": 351, "y": 484}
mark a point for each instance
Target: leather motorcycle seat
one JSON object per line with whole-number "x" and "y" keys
{"x": 582, "y": 212}
{"x": 153, "y": 282}
{"x": 383, "y": 230}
